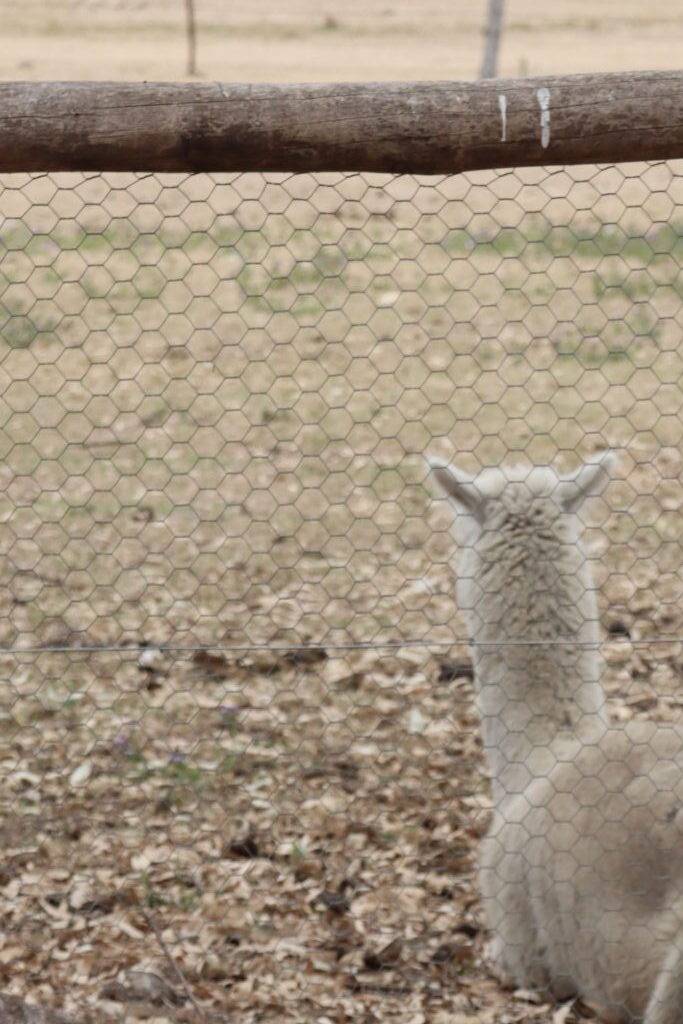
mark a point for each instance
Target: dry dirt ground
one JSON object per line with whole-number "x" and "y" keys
{"x": 242, "y": 777}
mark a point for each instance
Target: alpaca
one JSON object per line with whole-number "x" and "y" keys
{"x": 581, "y": 871}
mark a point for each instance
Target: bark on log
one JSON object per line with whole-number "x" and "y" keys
{"x": 413, "y": 127}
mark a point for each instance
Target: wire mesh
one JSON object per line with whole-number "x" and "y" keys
{"x": 237, "y": 696}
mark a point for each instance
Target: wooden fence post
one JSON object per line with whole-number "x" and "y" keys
{"x": 494, "y": 24}
{"x": 191, "y": 25}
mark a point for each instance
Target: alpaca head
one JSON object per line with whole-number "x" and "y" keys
{"x": 513, "y": 522}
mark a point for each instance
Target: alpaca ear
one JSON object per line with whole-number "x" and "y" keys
{"x": 588, "y": 481}
{"x": 459, "y": 487}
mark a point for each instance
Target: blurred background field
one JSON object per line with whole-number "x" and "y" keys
{"x": 236, "y": 709}
{"x": 218, "y": 392}
{"x": 308, "y": 41}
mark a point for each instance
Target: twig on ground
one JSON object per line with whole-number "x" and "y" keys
{"x": 174, "y": 966}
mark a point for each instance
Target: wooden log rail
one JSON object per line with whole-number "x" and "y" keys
{"x": 414, "y": 127}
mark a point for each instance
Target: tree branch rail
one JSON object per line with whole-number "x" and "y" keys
{"x": 391, "y": 127}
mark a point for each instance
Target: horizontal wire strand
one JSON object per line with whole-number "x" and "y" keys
{"x": 327, "y": 647}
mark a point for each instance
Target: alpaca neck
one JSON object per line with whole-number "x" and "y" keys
{"x": 537, "y": 670}
{"x": 532, "y": 702}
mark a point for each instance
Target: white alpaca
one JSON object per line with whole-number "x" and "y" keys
{"x": 582, "y": 867}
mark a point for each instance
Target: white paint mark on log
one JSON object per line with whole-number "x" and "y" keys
{"x": 543, "y": 96}
{"x": 503, "y": 104}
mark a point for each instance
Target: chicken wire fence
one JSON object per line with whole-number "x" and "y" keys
{"x": 237, "y": 720}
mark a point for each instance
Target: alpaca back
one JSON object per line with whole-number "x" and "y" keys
{"x": 591, "y": 857}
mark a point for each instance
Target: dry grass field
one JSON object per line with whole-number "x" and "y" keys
{"x": 240, "y": 759}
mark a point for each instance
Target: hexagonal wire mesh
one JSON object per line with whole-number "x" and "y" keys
{"x": 238, "y": 693}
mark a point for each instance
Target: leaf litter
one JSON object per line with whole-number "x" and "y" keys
{"x": 267, "y": 835}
